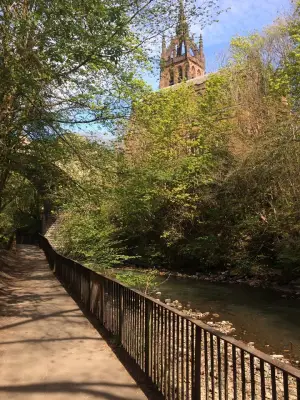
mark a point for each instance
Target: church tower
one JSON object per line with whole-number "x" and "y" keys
{"x": 182, "y": 59}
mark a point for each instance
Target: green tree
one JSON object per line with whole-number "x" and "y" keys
{"x": 287, "y": 81}
{"x": 200, "y": 181}
{"x": 65, "y": 65}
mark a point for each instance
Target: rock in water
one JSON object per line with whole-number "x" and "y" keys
{"x": 206, "y": 314}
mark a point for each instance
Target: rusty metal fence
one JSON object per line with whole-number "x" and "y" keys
{"x": 184, "y": 359}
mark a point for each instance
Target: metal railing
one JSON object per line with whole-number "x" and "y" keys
{"x": 185, "y": 359}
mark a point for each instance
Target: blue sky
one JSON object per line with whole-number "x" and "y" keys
{"x": 243, "y": 17}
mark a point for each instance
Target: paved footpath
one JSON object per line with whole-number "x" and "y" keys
{"x": 48, "y": 349}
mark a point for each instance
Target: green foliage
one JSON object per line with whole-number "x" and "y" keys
{"x": 88, "y": 237}
{"x": 198, "y": 190}
{"x": 287, "y": 78}
{"x": 85, "y": 229}
{"x": 169, "y": 163}
{"x": 145, "y": 282}
{"x": 65, "y": 65}
{"x": 204, "y": 181}
{"x": 61, "y": 64}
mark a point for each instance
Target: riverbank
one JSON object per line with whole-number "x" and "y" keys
{"x": 272, "y": 280}
{"x": 214, "y": 321}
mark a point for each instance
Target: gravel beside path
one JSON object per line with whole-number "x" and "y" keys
{"x": 48, "y": 349}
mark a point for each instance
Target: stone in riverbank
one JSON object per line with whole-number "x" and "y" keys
{"x": 223, "y": 326}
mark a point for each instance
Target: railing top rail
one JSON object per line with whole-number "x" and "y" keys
{"x": 292, "y": 371}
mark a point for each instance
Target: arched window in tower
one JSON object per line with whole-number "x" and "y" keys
{"x": 171, "y": 80}
{"x": 193, "y": 72}
{"x": 183, "y": 49}
{"x": 180, "y": 74}
{"x": 198, "y": 72}
{"x": 187, "y": 72}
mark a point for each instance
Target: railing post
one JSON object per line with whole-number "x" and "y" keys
{"x": 53, "y": 260}
{"x": 91, "y": 292}
{"x": 196, "y": 389}
{"x": 88, "y": 297}
{"x": 78, "y": 271}
{"x": 55, "y": 263}
{"x": 102, "y": 301}
{"x": 121, "y": 310}
{"x": 148, "y": 312}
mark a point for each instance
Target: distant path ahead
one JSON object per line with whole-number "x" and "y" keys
{"x": 48, "y": 349}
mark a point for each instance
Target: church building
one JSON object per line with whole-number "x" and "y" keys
{"x": 183, "y": 59}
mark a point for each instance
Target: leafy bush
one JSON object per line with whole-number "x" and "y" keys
{"x": 143, "y": 281}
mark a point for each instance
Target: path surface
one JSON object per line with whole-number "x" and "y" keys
{"x": 48, "y": 349}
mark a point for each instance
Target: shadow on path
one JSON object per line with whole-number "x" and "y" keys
{"x": 70, "y": 388}
{"x": 48, "y": 348}
{"x": 38, "y": 318}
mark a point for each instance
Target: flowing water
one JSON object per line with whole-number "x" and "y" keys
{"x": 259, "y": 315}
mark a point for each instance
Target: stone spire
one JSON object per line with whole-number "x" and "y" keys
{"x": 164, "y": 45}
{"x": 182, "y": 59}
{"x": 182, "y": 29}
{"x": 201, "y": 51}
{"x": 201, "y": 43}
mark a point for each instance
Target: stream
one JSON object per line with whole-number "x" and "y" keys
{"x": 259, "y": 315}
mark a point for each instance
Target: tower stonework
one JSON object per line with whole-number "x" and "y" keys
{"x": 182, "y": 59}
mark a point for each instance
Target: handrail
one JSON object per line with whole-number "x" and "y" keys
{"x": 184, "y": 358}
